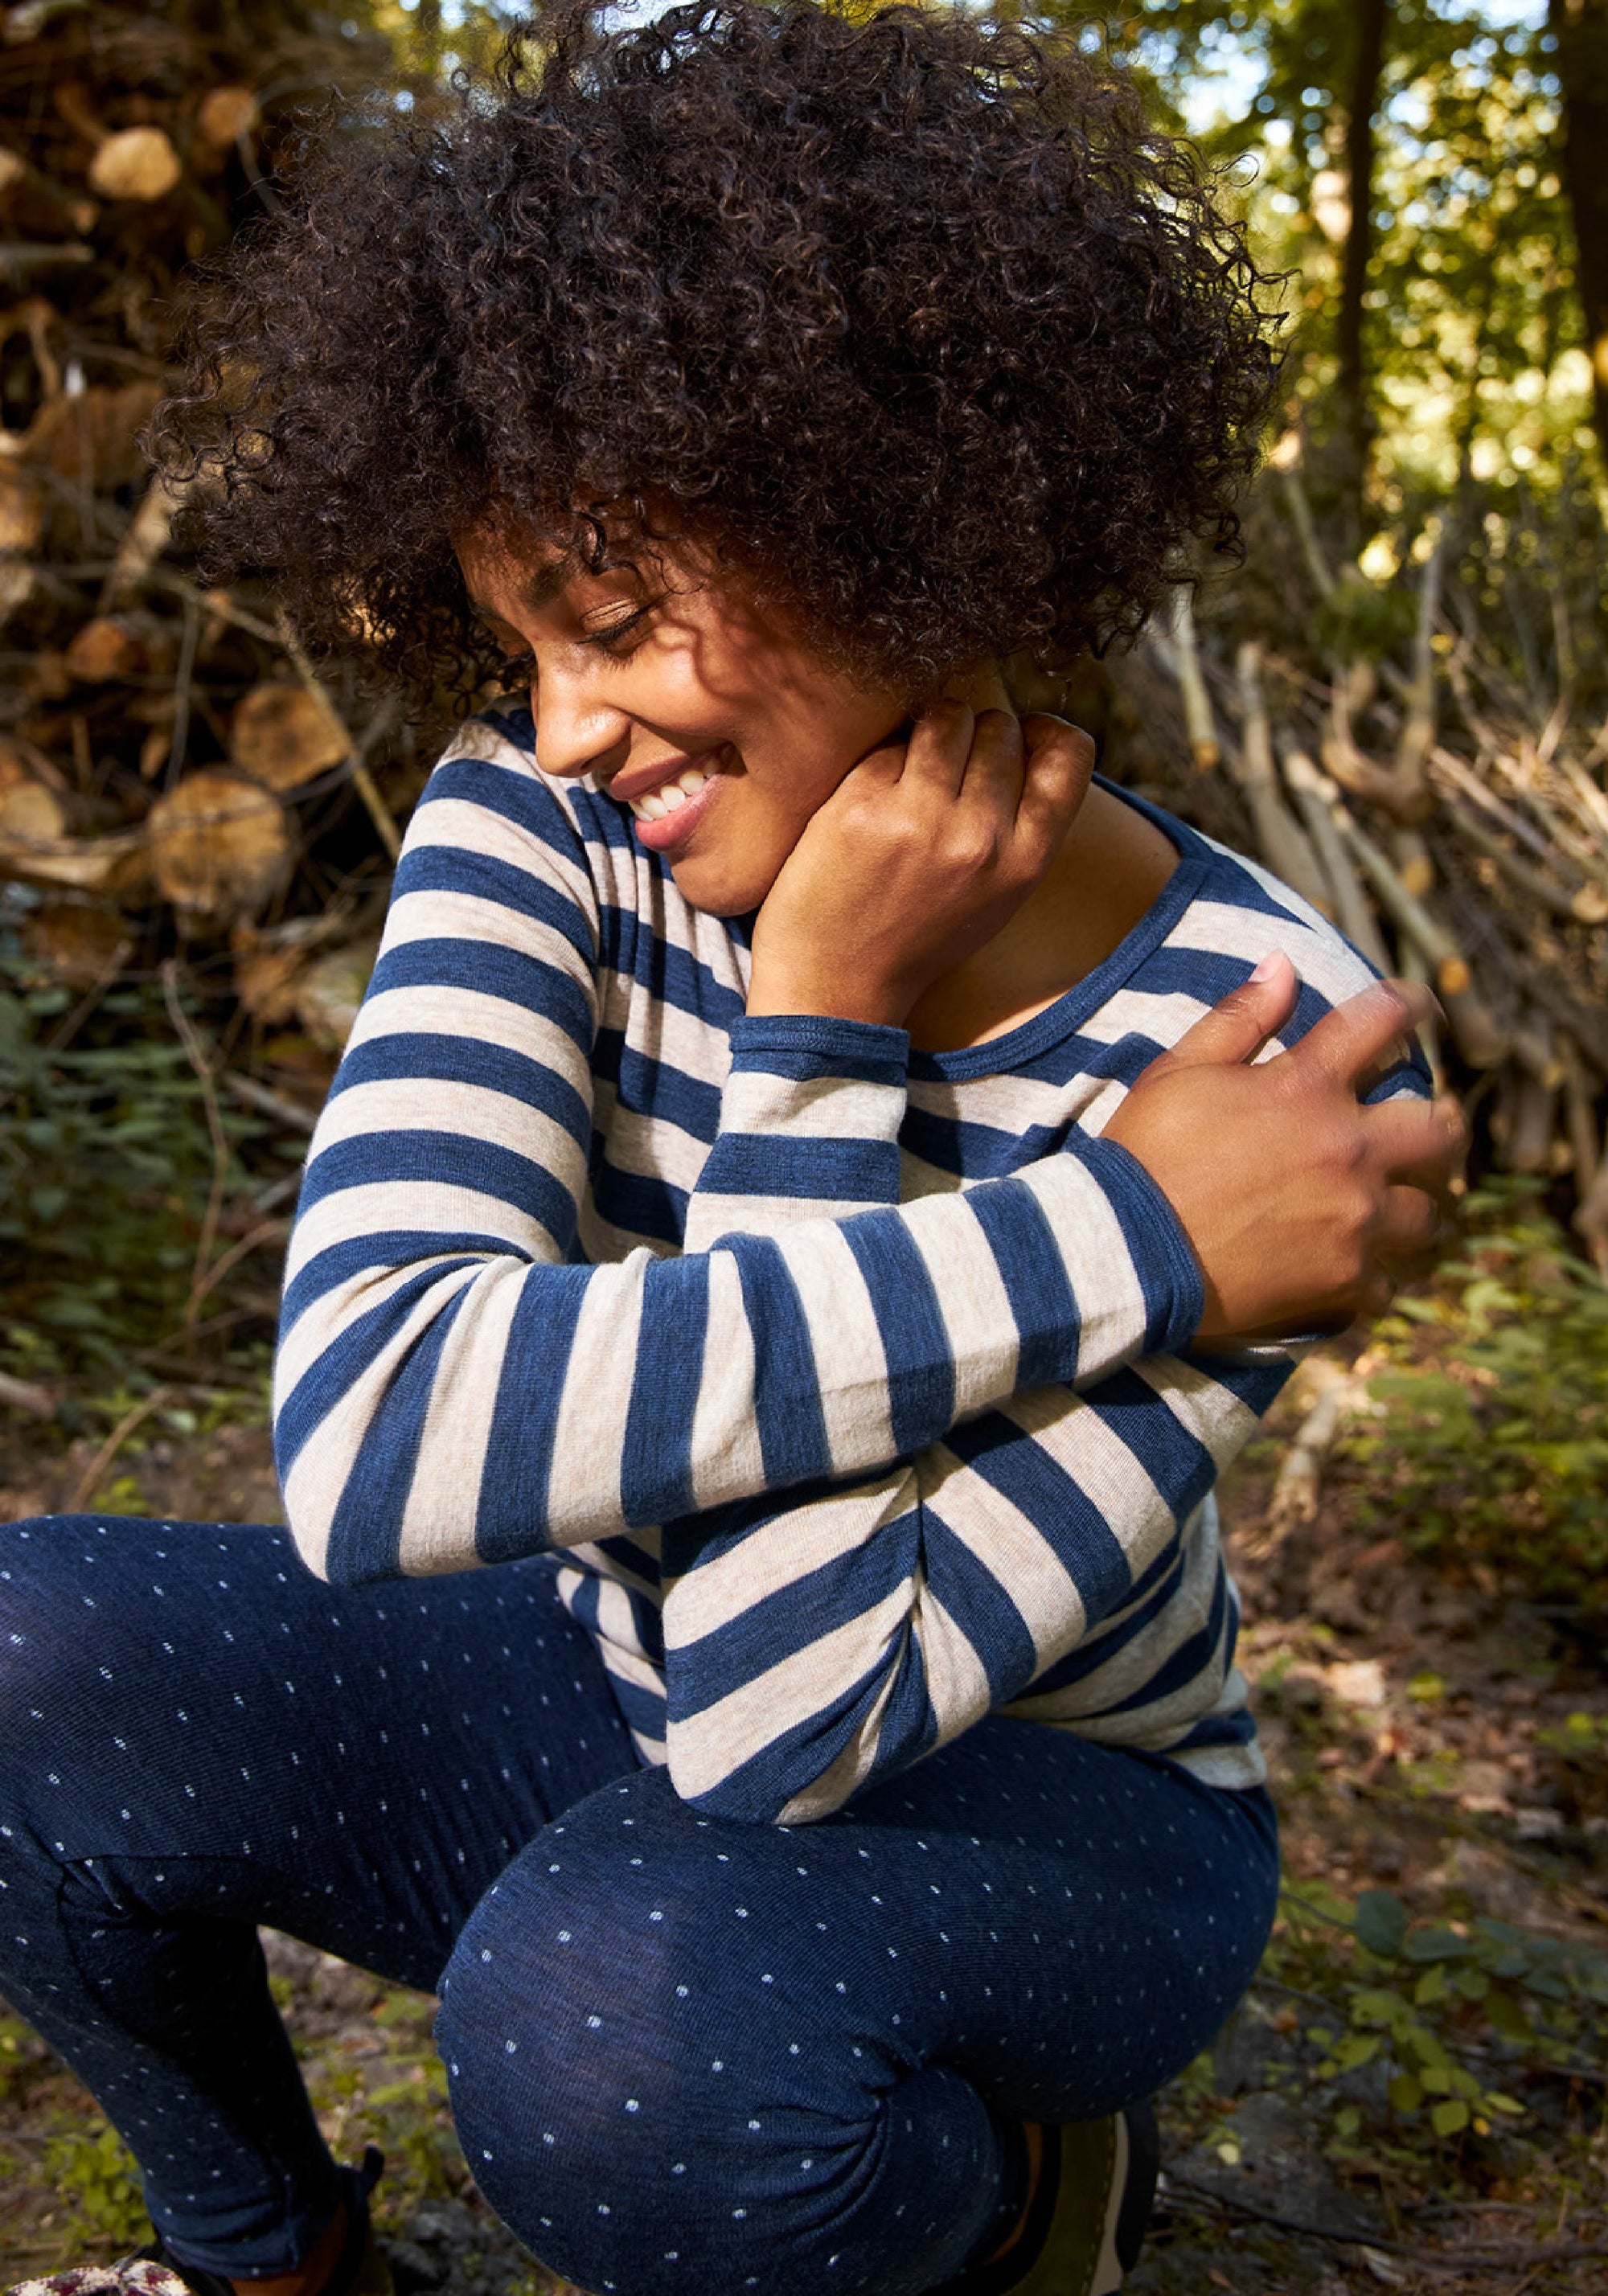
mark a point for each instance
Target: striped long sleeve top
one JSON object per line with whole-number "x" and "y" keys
{"x": 848, "y": 1387}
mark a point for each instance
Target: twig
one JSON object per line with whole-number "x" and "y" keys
{"x": 1481, "y": 1042}
{"x": 1316, "y": 800}
{"x": 23, "y": 1395}
{"x": 89, "y": 1481}
{"x": 1203, "y": 743}
{"x": 1285, "y": 845}
{"x": 266, "y": 1307}
{"x": 269, "y": 1102}
{"x": 1446, "y": 764}
{"x": 1263, "y": 1984}
{"x": 67, "y": 1026}
{"x": 196, "y": 1054}
{"x": 1295, "y": 1490}
{"x": 181, "y": 692}
{"x": 1286, "y": 459}
{"x": 1461, "y": 2259}
{"x": 1418, "y": 728}
{"x": 1557, "y": 831}
{"x": 1586, "y": 905}
{"x": 1358, "y": 775}
{"x": 146, "y": 535}
{"x": 362, "y": 780}
{"x": 269, "y": 1231}
{"x": 20, "y": 255}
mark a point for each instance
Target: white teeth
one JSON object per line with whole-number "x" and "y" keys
{"x": 670, "y": 795}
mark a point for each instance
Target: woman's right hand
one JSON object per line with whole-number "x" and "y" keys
{"x": 1304, "y": 1206}
{"x": 922, "y": 852}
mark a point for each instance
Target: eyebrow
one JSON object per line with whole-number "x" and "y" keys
{"x": 543, "y": 586}
{"x": 540, "y": 590}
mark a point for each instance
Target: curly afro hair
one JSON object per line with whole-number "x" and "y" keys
{"x": 916, "y": 317}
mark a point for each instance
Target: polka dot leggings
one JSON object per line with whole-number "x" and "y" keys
{"x": 684, "y": 2054}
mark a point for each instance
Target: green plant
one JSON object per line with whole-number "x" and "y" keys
{"x": 106, "y": 1169}
{"x": 95, "y": 2175}
{"x": 1454, "y": 2015}
{"x": 1494, "y": 1446}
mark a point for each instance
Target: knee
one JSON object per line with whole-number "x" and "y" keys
{"x": 651, "y": 2114}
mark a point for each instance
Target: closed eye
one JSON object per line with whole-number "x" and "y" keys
{"x": 608, "y": 639}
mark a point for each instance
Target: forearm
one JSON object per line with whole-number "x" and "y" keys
{"x": 449, "y": 1390}
{"x": 813, "y": 1648}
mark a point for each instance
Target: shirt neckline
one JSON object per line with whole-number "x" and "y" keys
{"x": 999, "y": 1054}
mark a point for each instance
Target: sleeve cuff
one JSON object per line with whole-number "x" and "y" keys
{"x": 807, "y": 1046}
{"x": 1164, "y": 1261}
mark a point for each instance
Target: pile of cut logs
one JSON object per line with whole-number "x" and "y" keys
{"x": 174, "y": 772}
{"x": 1454, "y": 824}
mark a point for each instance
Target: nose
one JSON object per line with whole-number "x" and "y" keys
{"x": 576, "y": 728}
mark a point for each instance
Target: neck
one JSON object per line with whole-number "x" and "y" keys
{"x": 1109, "y": 872}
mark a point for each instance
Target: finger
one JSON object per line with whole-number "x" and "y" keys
{"x": 995, "y": 766}
{"x": 1058, "y": 763}
{"x": 886, "y": 762}
{"x": 1409, "y": 1223}
{"x": 1236, "y": 1028}
{"x": 939, "y": 748}
{"x": 1356, "y": 1035}
{"x": 1420, "y": 1142}
{"x": 1375, "y": 1297}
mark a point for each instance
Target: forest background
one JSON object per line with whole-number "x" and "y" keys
{"x": 1399, "y": 702}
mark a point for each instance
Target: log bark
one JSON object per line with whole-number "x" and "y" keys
{"x": 1370, "y": 21}
{"x": 1580, "y": 27}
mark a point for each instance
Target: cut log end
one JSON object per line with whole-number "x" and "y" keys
{"x": 219, "y": 847}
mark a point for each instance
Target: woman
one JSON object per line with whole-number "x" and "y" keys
{"x": 779, "y": 1271}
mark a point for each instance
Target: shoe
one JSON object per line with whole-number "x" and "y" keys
{"x": 1087, "y": 2221}
{"x": 360, "y": 2269}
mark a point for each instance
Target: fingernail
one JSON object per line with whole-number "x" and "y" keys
{"x": 1269, "y": 966}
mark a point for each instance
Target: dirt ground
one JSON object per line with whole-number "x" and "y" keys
{"x": 1412, "y": 1723}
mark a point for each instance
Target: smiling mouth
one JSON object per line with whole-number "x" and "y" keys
{"x": 669, "y": 797}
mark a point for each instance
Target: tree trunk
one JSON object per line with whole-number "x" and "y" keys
{"x": 1582, "y": 28}
{"x": 1352, "y": 382}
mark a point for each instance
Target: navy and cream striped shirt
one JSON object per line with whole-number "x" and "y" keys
{"x": 847, "y": 1385}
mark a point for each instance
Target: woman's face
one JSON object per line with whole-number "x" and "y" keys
{"x": 682, "y": 697}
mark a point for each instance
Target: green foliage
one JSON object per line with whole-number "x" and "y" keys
{"x": 1432, "y": 2027}
{"x": 106, "y": 1165}
{"x": 397, "y": 2101}
{"x": 95, "y": 2175}
{"x": 1473, "y": 333}
{"x": 1498, "y": 1448}
{"x": 1360, "y": 621}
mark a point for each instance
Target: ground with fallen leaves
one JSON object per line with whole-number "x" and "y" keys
{"x": 1434, "y": 1739}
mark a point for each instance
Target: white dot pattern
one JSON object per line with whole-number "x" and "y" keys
{"x": 684, "y": 2056}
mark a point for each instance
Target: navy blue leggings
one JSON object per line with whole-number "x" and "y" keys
{"x": 685, "y": 2055}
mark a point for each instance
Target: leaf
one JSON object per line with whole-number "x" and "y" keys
{"x": 1357, "y": 2049}
{"x": 1494, "y": 2101}
{"x": 1448, "y": 2117}
{"x": 1404, "y": 2093}
{"x": 1382, "y": 1922}
{"x": 1508, "y": 2017}
{"x": 1437, "y": 1945}
{"x": 1347, "y": 2121}
{"x": 1432, "y": 1987}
